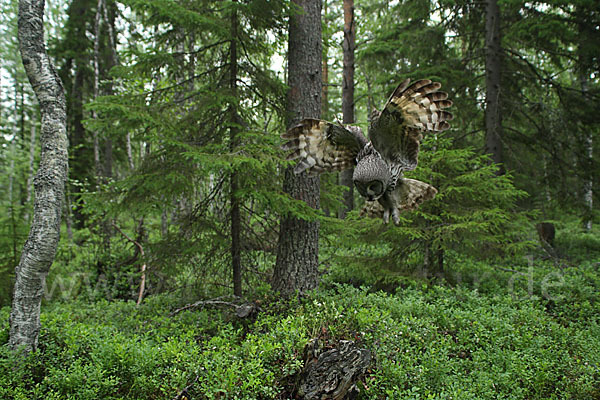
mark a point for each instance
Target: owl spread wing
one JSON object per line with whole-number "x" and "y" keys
{"x": 408, "y": 195}
{"x": 322, "y": 146}
{"x": 411, "y": 109}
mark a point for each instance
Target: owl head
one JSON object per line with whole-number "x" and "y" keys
{"x": 371, "y": 176}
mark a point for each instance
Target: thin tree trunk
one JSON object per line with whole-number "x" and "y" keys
{"x": 111, "y": 61}
{"x": 81, "y": 158}
{"x": 96, "y": 63}
{"x": 325, "y": 71}
{"x": 370, "y": 102}
{"x": 493, "y": 71}
{"x": 129, "y": 151}
{"x": 296, "y": 268}
{"x": 11, "y": 193}
{"x": 164, "y": 223}
{"x": 108, "y": 159}
{"x": 68, "y": 220}
{"x": 236, "y": 258}
{"x": 40, "y": 248}
{"x": 22, "y": 119}
{"x": 585, "y": 61}
{"x": 588, "y": 185}
{"x": 111, "y": 34}
{"x": 137, "y": 243}
{"x": 13, "y": 150}
{"x": 348, "y": 46}
{"x": 103, "y": 169}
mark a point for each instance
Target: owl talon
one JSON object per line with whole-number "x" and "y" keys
{"x": 386, "y": 216}
{"x": 395, "y": 216}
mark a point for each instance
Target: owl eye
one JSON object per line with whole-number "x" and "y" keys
{"x": 375, "y": 187}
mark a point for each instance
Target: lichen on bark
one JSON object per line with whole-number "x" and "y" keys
{"x": 40, "y": 248}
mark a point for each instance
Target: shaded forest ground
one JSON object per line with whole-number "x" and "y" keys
{"x": 484, "y": 331}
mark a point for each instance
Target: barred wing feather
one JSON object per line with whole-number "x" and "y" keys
{"x": 411, "y": 110}
{"x": 321, "y": 146}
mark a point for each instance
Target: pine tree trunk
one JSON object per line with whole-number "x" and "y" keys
{"x": 40, "y": 248}
{"x": 493, "y": 70}
{"x": 326, "y": 37}
{"x": 296, "y": 268}
{"x": 348, "y": 97}
{"x": 236, "y": 258}
{"x": 325, "y": 70}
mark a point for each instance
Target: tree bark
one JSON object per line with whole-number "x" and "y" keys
{"x": 348, "y": 46}
{"x": 325, "y": 69}
{"x": 29, "y": 184}
{"x": 585, "y": 61}
{"x": 332, "y": 373}
{"x": 11, "y": 195}
{"x": 96, "y": 63}
{"x": 236, "y": 257}
{"x": 80, "y": 165}
{"x": 588, "y": 182}
{"x": 40, "y": 248}
{"x": 493, "y": 70}
{"x": 296, "y": 268}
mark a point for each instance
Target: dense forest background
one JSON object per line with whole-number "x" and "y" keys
{"x": 176, "y": 193}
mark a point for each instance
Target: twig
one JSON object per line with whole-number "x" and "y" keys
{"x": 143, "y": 267}
{"x": 203, "y": 303}
{"x": 506, "y": 269}
{"x": 185, "y": 389}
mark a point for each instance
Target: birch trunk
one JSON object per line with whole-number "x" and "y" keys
{"x": 40, "y": 248}
{"x": 296, "y": 268}
{"x": 29, "y": 188}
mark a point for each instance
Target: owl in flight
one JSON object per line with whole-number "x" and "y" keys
{"x": 395, "y": 134}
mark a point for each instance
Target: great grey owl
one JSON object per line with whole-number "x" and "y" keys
{"x": 395, "y": 134}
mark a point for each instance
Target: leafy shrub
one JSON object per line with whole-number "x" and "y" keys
{"x": 428, "y": 341}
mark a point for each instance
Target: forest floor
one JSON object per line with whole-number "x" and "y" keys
{"x": 528, "y": 335}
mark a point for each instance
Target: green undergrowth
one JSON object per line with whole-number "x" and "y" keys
{"x": 429, "y": 342}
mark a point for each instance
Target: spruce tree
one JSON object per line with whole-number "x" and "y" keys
{"x": 209, "y": 128}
